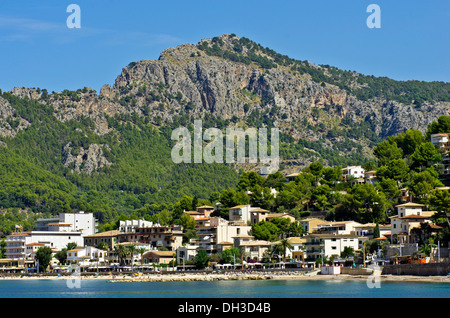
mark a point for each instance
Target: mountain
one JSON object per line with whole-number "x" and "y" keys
{"x": 114, "y": 146}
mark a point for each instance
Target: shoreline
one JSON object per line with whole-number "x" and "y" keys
{"x": 186, "y": 277}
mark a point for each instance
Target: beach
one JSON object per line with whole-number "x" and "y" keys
{"x": 192, "y": 276}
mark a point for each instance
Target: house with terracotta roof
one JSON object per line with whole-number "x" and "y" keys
{"x": 297, "y": 252}
{"x": 108, "y": 237}
{"x": 214, "y": 238}
{"x": 309, "y": 224}
{"x": 253, "y": 250}
{"x": 409, "y": 216}
{"x": 202, "y": 215}
{"x": 291, "y": 177}
{"x": 158, "y": 257}
{"x": 170, "y": 237}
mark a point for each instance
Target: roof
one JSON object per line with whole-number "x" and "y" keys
{"x": 224, "y": 243}
{"x": 35, "y": 244}
{"x": 202, "y": 219}
{"x": 351, "y": 167}
{"x": 409, "y": 204}
{"x": 439, "y": 134}
{"x": 76, "y": 250}
{"x": 103, "y": 234}
{"x": 161, "y": 253}
{"x": 313, "y": 235}
{"x": 412, "y": 216}
{"x": 238, "y": 206}
{"x": 276, "y": 215}
{"x": 243, "y": 236}
{"x": 366, "y": 225}
{"x": 259, "y": 210}
{"x": 59, "y": 224}
{"x": 296, "y": 240}
{"x": 255, "y": 243}
{"x": 193, "y": 212}
{"x": 205, "y": 207}
{"x": 293, "y": 175}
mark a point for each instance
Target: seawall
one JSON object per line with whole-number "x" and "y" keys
{"x": 428, "y": 269}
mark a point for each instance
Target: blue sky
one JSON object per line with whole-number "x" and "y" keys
{"x": 37, "y": 49}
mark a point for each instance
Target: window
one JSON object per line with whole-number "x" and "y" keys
{"x": 333, "y": 247}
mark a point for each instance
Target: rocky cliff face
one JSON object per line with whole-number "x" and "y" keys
{"x": 10, "y": 122}
{"x": 186, "y": 81}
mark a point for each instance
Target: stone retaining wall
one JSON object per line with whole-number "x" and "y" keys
{"x": 428, "y": 269}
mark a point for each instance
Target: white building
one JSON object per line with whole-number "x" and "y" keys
{"x": 69, "y": 222}
{"x": 349, "y": 172}
{"x": 253, "y": 250}
{"x": 339, "y": 227}
{"x": 79, "y": 222}
{"x": 319, "y": 245}
{"x": 442, "y": 140}
{"x": 242, "y": 213}
{"x": 409, "y": 215}
{"x": 214, "y": 237}
{"x": 86, "y": 256}
{"x": 298, "y": 246}
{"x": 18, "y": 243}
{"x": 186, "y": 253}
{"x": 130, "y": 226}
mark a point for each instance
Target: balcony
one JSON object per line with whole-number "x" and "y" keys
{"x": 314, "y": 251}
{"x": 314, "y": 243}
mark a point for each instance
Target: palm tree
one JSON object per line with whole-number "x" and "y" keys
{"x": 121, "y": 253}
{"x": 282, "y": 247}
{"x": 131, "y": 251}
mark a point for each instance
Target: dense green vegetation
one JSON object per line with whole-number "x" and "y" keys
{"x": 403, "y": 161}
{"x": 33, "y": 177}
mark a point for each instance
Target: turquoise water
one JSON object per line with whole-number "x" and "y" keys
{"x": 221, "y": 289}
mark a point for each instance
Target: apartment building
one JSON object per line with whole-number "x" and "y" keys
{"x": 170, "y": 237}
{"x": 319, "y": 245}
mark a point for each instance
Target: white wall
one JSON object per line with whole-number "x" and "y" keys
{"x": 334, "y": 246}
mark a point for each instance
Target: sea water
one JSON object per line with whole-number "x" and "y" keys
{"x": 255, "y": 289}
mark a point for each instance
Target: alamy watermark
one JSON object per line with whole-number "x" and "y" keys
{"x": 373, "y": 20}
{"x": 75, "y": 280}
{"x": 74, "y": 19}
{"x": 235, "y": 143}
{"x": 374, "y": 280}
